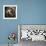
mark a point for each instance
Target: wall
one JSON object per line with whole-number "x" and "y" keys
{"x": 7, "y": 26}
{"x": 32, "y": 11}
{"x": 28, "y": 12}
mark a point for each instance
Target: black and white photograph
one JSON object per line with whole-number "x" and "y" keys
{"x": 9, "y": 11}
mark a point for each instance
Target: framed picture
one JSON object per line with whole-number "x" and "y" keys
{"x": 9, "y": 11}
